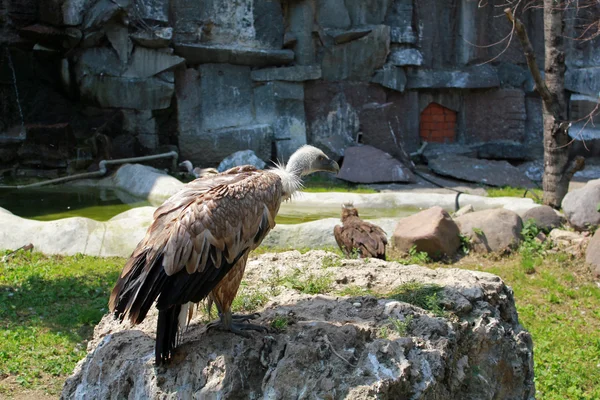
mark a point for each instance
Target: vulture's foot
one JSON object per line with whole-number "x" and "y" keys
{"x": 237, "y": 323}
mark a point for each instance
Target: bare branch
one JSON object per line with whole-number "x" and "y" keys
{"x": 540, "y": 85}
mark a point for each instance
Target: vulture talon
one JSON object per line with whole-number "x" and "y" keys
{"x": 244, "y": 317}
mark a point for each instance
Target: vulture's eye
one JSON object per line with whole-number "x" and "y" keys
{"x": 321, "y": 158}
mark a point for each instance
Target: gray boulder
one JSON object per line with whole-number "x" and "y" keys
{"x": 476, "y": 77}
{"x": 331, "y": 343}
{"x": 495, "y": 230}
{"x": 488, "y": 172}
{"x": 431, "y": 231}
{"x": 358, "y": 59}
{"x": 592, "y": 255}
{"x": 405, "y": 57}
{"x": 244, "y": 157}
{"x": 366, "y": 164}
{"x": 390, "y": 77}
{"x": 297, "y": 73}
{"x": 581, "y": 206}
{"x": 545, "y": 218}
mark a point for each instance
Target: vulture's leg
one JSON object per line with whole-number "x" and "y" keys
{"x": 223, "y": 295}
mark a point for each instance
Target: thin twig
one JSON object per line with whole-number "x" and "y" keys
{"x": 335, "y": 352}
{"x": 12, "y": 253}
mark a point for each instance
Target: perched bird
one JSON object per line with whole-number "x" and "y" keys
{"x": 358, "y": 236}
{"x": 198, "y": 244}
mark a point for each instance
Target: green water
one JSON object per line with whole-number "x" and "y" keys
{"x": 52, "y": 203}
{"x": 55, "y": 202}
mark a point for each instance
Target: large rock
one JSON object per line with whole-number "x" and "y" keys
{"x": 431, "y": 231}
{"x": 155, "y": 38}
{"x": 244, "y": 157}
{"x": 405, "y": 57}
{"x": 495, "y": 230}
{"x": 226, "y": 96}
{"x": 574, "y": 243}
{"x": 400, "y": 17}
{"x": 477, "y": 77}
{"x": 297, "y": 73}
{"x": 153, "y": 93}
{"x": 583, "y": 80}
{"x": 332, "y": 112}
{"x": 366, "y": 164}
{"x": 332, "y": 14}
{"x": 504, "y": 150}
{"x": 488, "y": 172}
{"x": 232, "y": 54}
{"x": 390, "y": 77}
{"x": 581, "y": 206}
{"x": 358, "y": 59}
{"x": 301, "y": 24}
{"x": 330, "y": 344}
{"x": 116, "y": 237}
{"x": 281, "y": 105}
{"x": 592, "y": 255}
{"x": 225, "y": 141}
{"x": 544, "y": 217}
{"x": 506, "y": 105}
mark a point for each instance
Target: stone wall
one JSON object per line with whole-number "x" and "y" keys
{"x": 132, "y": 77}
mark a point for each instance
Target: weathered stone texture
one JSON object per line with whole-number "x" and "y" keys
{"x": 366, "y": 164}
{"x": 431, "y": 231}
{"x": 332, "y": 112}
{"x": 495, "y": 230}
{"x": 331, "y": 344}
{"x": 482, "y": 109}
{"x": 357, "y": 60}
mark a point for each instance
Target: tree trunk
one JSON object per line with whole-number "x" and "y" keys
{"x": 556, "y": 137}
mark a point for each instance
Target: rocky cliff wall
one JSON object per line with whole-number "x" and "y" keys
{"x": 131, "y": 77}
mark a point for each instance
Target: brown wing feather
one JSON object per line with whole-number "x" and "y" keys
{"x": 205, "y": 227}
{"x": 368, "y": 239}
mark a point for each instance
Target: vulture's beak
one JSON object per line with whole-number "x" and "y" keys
{"x": 329, "y": 165}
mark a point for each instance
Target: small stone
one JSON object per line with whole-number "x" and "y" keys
{"x": 357, "y": 305}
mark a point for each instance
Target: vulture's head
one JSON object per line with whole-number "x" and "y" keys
{"x": 308, "y": 159}
{"x": 348, "y": 211}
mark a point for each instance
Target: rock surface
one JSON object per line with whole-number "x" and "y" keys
{"x": 331, "y": 347}
{"x": 581, "y": 206}
{"x": 592, "y": 254}
{"x": 244, "y": 157}
{"x": 571, "y": 242}
{"x": 495, "y": 230}
{"x": 431, "y": 231}
{"x": 545, "y": 218}
{"x": 488, "y": 172}
{"x": 366, "y": 164}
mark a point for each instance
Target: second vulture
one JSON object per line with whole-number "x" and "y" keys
{"x": 359, "y": 237}
{"x": 198, "y": 244}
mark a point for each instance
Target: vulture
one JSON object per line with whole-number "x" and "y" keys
{"x": 198, "y": 244}
{"x": 359, "y": 236}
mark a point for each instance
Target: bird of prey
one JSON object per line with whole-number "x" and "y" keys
{"x": 359, "y": 237}
{"x": 198, "y": 244}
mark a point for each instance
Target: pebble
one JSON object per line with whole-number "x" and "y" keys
{"x": 357, "y": 304}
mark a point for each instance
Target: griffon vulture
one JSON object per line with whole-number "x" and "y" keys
{"x": 198, "y": 244}
{"x": 359, "y": 236}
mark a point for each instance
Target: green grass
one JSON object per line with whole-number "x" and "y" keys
{"x": 559, "y": 304}
{"x": 317, "y": 183}
{"x": 509, "y": 191}
{"x": 49, "y": 306}
{"x": 48, "y": 309}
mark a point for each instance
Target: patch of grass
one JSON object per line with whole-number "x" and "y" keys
{"x": 465, "y": 244}
{"x": 49, "y": 306}
{"x": 509, "y": 191}
{"x": 559, "y": 304}
{"x": 414, "y": 257}
{"x": 316, "y": 184}
{"x": 355, "y": 291}
{"x": 280, "y": 323}
{"x": 401, "y": 327}
{"x": 249, "y": 299}
{"x": 425, "y": 296}
{"x": 308, "y": 284}
{"x": 331, "y": 262}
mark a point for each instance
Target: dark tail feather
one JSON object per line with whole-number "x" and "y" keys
{"x": 166, "y": 333}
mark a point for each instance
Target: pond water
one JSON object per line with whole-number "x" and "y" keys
{"x": 52, "y": 202}
{"x": 55, "y": 202}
